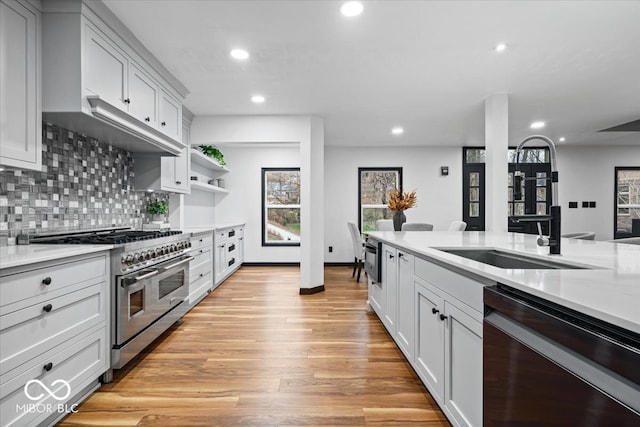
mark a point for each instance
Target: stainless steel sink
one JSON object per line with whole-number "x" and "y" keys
{"x": 509, "y": 260}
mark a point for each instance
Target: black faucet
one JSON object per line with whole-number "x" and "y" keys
{"x": 553, "y": 241}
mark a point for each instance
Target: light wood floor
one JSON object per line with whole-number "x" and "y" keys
{"x": 256, "y": 353}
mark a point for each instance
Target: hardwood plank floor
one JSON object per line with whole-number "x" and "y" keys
{"x": 256, "y": 353}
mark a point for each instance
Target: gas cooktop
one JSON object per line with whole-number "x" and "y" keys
{"x": 105, "y": 237}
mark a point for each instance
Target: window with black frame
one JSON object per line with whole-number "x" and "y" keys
{"x": 280, "y": 206}
{"x": 626, "y": 211}
{"x": 374, "y": 185}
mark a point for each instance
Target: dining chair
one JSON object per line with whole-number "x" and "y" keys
{"x": 358, "y": 248}
{"x": 582, "y": 235}
{"x": 417, "y": 226}
{"x": 457, "y": 226}
{"x": 384, "y": 225}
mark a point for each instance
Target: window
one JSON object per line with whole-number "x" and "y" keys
{"x": 374, "y": 185}
{"x": 280, "y": 206}
{"x": 627, "y": 202}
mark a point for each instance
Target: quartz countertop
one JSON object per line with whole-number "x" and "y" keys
{"x": 19, "y": 255}
{"x": 609, "y": 290}
{"x": 212, "y": 227}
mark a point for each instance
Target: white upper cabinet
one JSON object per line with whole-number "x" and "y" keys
{"x": 106, "y": 70}
{"x": 143, "y": 96}
{"x": 100, "y": 80}
{"x": 20, "y": 94}
{"x": 170, "y": 115}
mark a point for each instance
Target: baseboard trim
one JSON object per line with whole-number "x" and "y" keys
{"x": 311, "y": 291}
{"x": 338, "y": 264}
{"x": 271, "y": 264}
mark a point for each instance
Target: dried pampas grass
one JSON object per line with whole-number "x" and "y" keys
{"x": 399, "y": 201}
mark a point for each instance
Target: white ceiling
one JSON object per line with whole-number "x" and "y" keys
{"x": 425, "y": 65}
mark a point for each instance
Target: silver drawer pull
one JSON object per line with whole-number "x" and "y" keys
{"x": 175, "y": 264}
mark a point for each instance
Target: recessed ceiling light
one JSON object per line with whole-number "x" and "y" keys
{"x": 537, "y": 125}
{"x": 562, "y": 139}
{"x": 501, "y": 47}
{"x": 239, "y": 54}
{"x": 397, "y": 130}
{"x": 351, "y": 8}
{"x": 257, "y": 99}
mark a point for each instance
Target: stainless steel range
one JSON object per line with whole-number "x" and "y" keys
{"x": 149, "y": 284}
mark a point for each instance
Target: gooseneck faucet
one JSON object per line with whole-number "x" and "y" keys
{"x": 553, "y": 241}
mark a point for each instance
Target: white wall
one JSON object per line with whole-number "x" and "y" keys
{"x": 587, "y": 174}
{"x": 244, "y": 202}
{"x": 439, "y": 197}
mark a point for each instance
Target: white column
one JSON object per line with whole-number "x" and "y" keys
{"x": 496, "y": 123}
{"x": 312, "y": 208}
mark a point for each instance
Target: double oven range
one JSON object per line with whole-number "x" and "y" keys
{"x": 149, "y": 284}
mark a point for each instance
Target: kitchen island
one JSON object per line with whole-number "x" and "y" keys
{"x": 432, "y": 301}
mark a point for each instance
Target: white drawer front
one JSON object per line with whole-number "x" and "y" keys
{"x": 463, "y": 288}
{"x": 200, "y": 257}
{"x": 31, "y": 284}
{"x": 202, "y": 241}
{"x": 200, "y": 286}
{"x": 77, "y": 362}
{"x": 200, "y": 271}
{"x": 26, "y": 333}
{"x": 221, "y": 236}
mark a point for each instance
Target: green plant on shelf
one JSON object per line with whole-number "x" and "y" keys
{"x": 211, "y": 151}
{"x": 158, "y": 207}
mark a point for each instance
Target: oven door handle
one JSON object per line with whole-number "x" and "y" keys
{"x": 175, "y": 264}
{"x": 133, "y": 280}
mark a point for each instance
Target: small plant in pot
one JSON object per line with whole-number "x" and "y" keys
{"x": 158, "y": 208}
{"x": 211, "y": 151}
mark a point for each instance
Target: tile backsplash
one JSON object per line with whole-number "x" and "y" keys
{"x": 83, "y": 184}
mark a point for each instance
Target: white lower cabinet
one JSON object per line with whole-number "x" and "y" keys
{"x": 201, "y": 267}
{"x": 435, "y": 317}
{"x": 53, "y": 333}
{"x": 229, "y": 252}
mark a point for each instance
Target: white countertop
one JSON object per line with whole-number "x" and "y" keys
{"x": 610, "y": 291}
{"x": 212, "y": 227}
{"x": 16, "y": 256}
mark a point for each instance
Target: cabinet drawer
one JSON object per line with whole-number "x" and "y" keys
{"x": 200, "y": 256}
{"x": 463, "y": 288}
{"x": 78, "y": 361}
{"x": 202, "y": 241}
{"x": 221, "y": 236}
{"x": 200, "y": 271}
{"x": 62, "y": 278}
{"x": 26, "y": 333}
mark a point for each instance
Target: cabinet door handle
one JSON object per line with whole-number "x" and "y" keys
{"x": 201, "y": 274}
{"x": 178, "y": 182}
{"x": 47, "y": 308}
{"x": 443, "y": 317}
{"x": 400, "y": 254}
{"x": 46, "y": 281}
{"x": 147, "y": 119}
{"x": 201, "y": 240}
{"x": 435, "y": 311}
{"x": 48, "y": 366}
{"x": 163, "y": 123}
{"x": 390, "y": 256}
{"x": 126, "y": 101}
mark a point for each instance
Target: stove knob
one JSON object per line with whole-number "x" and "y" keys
{"x": 189, "y": 244}
{"x": 128, "y": 260}
{"x": 147, "y": 255}
{"x": 173, "y": 248}
{"x": 165, "y": 250}
{"x": 137, "y": 257}
{"x": 154, "y": 253}
{"x": 181, "y": 246}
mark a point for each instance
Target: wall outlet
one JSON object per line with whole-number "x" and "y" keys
{"x": 573, "y": 205}
{"x": 330, "y": 248}
{"x": 585, "y": 204}
{"x": 592, "y": 204}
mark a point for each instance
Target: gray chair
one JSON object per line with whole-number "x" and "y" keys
{"x": 627, "y": 240}
{"x": 358, "y": 248}
{"x": 457, "y": 226}
{"x": 384, "y": 225}
{"x": 583, "y": 235}
{"x": 417, "y": 226}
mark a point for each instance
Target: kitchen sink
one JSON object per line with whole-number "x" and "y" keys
{"x": 510, "y": 260}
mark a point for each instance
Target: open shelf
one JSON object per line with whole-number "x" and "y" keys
{"x": 197, "y": 185}
{"x": 206, "y": 162}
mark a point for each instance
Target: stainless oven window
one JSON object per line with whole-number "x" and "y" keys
{"x": 136, "y": 303}
{"x": 167, "y": 285}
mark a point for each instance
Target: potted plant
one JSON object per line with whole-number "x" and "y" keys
{"x": 211, "y": 151}
{"x": 398, "y": 203}
{"x": 158, "y": 208}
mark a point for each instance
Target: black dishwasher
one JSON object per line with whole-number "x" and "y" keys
{"x": 547, "y": 365}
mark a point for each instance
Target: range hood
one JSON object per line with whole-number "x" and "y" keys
{"x": 116, "y": 127}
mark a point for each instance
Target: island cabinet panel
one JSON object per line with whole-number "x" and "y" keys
{"x": 390, "y": 284}
{"x": 406, "y": 296}
{"x": 429, "y": 358}
{"x": 376, "y": 297}
{"x": 201, "y": 267}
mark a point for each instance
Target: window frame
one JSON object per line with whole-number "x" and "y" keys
{"x": 397, "y": 169}
{"x": 616, "y": 234}
{"x": 263, "y": 188}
